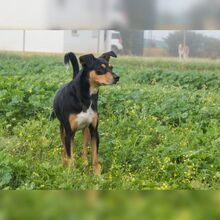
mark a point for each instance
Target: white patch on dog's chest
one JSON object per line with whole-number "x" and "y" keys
{"x": 84, "y": 119}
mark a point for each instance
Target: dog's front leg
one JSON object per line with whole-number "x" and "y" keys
{"x": 95, "y": 146}
{"x": 86, "y": 139}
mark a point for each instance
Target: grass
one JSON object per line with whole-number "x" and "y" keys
{"x": 159, "y": 127}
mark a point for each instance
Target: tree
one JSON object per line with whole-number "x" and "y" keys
{"x": 133, "y": 42}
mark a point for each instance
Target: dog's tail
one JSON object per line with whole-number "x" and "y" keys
{"x": 71, "y": 57}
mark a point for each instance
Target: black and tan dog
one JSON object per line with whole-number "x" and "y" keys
{"x": 76, "y": 107}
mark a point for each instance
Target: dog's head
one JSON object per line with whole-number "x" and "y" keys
{"x": 100, "y": 71}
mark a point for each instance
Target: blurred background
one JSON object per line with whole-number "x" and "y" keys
{"x": 141, "y": 27}
{"x": 110, "y": 14}
{"x": 149, "y": 43}
{"x": 93, "y": 205}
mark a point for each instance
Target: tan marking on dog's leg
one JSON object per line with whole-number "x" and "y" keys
{"x": 74, "y": 126}
{"x": 95, "y": 120}
{"x": 65, "y": 158}
{"x": 70, "y": 160}
{"x": 86, "y": 139}
{"x": 63, "y": 151}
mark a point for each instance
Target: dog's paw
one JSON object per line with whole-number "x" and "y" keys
{"x": 97, "y": 170}
{"x": 85, "y": 162}
{"x": 68, "y": 163}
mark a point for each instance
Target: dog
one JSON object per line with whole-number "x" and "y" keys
{"x": 183, "y": 51}
{"x": 76, "y": 104}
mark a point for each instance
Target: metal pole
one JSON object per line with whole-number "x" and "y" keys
{"x": 108, "y": 40}
{"x": 151, "y": 37}
{"x": 184, "y": 38}
{"x": 24, "y": 36}
{"x": 98, "y": 47}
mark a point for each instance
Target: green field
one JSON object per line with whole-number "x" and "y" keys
{"x": 159, "y": 127}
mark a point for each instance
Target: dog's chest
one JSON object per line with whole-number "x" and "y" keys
{"x": 84, "y": 119}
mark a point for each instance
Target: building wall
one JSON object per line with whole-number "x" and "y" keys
{"x": 44, "y": 41}
{"x": 55, "y": 41}
{"x": 11, "y": 40}
{"x": 83, "y": 41}
{"x": 32, "y": 41}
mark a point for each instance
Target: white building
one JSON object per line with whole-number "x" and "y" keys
{"x": 55, "y": 41}
{"x": 45, "y": 19}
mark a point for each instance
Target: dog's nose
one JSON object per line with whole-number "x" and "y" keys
{"x": 116, "y": 78}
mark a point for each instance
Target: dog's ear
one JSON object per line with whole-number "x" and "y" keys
{"x": 87, "y": 60}
{"x": 107, "y": 55}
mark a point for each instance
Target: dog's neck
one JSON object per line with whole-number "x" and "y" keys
{"x": 93, "y": 88}
{"x": 87, "y": 89}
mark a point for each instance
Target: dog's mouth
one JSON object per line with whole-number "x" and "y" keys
{"x": 114, "y": 81}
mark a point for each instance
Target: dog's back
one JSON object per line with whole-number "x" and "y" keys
{"x": 68, "y": 58}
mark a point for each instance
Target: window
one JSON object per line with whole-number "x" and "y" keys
{"x": 116, "y": 36}
{"x": 75, "y": 33}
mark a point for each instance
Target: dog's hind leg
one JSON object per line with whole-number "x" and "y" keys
{"x": 64, "y": 155}
{"x": 67, "y": 149}
{"x": 86, "y": 140}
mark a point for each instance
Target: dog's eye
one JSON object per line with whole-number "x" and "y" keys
{"x": 101, "y": 70}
